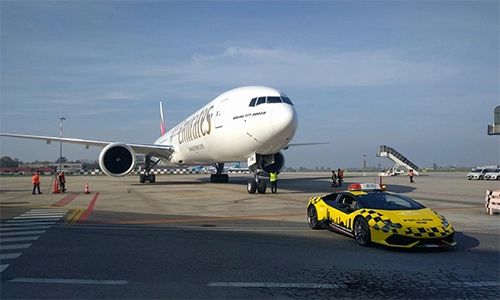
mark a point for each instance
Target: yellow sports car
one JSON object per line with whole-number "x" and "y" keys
{"x": 369, "y": 213}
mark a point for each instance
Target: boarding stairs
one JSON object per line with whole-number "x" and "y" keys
{"x": 398, "y": 159}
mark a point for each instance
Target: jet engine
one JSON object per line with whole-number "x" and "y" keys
{"x": 117, "y": 160}
{"x": 274, "y": 161}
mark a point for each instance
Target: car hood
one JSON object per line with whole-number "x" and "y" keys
{"x": 415, "y": 218}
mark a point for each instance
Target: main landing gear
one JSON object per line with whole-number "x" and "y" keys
{"x": 256, "y": 185}
{"x": 148, "y": 176}
{"x": 218, "y": 176}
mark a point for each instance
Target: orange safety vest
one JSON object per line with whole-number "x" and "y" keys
{"x": 61, "y": 178}
{"x": 36, "y": 179}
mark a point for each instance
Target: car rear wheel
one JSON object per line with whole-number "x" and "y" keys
{"x": 312, "y": 218}
{"x": 362, "y": 232}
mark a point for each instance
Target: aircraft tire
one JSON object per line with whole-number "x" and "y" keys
{"x": 251, "y": 186}
{"x": 261, "y": 186}
{"x": 142, "y": 178}
{"x": 152, "y": 178}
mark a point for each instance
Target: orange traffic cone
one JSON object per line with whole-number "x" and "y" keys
{"x": 56, "y": 188}
{"x": 87, "y": 189}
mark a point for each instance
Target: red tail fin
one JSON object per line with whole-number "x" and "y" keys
{"x": 162, "y": 122}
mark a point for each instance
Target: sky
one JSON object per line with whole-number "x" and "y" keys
{"x": 419, "y": 76}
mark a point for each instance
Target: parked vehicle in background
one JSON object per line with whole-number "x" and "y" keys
{"x": 478, "y": 173}
{"x": 492, "y": 175}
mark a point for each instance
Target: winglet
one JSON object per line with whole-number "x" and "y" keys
{"x": 162, "y": 121}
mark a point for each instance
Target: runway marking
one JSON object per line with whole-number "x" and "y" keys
{"x": 25, "y": 223}
{"x": 277, "y": 285}
{"x": 3, "y": 229}
{"x": 69, "y": 281}
{"x": 26, "y": 227}
{"x": 85, "y": 216}
{"x": 24, "y": 232}
{"x": 15, "y": 247}
{"x": 64, "y": 201}
{"x": 73, "y": 217}
{"x": 10, "y": 255}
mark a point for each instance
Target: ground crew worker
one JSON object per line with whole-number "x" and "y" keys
{"x": 62, "y": 182}
{"x": 411, "y": 177}
{"x": 334, "y": 178}
{"x": 340, "y": 175}
{"x": 36, "y": 183}
{"x": 273, "y": 177}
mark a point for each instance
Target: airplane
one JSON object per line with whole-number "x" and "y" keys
{"x": 238, "y": 169}
{"x": 248, "y": 123}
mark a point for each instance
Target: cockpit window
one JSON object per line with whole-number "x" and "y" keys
{"x": 287, "y": 100}
{"x": 270, "y": 99}
{"x": 273, "y": 100}
{"x": 261, "y": 100}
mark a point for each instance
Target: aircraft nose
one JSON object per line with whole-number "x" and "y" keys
{"x": 284, "y": 119}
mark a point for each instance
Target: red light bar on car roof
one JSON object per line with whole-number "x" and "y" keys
{"x": 366, "y": 186}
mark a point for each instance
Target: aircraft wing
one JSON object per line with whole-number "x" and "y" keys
{"x": 304, "y": 144}
{"x": 160, "y": 151}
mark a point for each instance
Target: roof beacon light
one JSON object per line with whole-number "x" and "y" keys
{"x": 366, "y": 186}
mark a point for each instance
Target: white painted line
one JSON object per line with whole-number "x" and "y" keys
{"x": 23, "y": 232}
{"x": 57, "y": 211}
{"x": 26, "y": 224}
{"x": 32, "y": 220}
{"x": 10, "y": 255}
{"x": 20, "y": 239}
{"x": 43, "y": 215}
{"x": 33, "y": 217}
{"x": 14, "y": 247}
{"x": 275, "y": 285}
{"x": 3, "y": 267}
{"x": 24, "y": 228}
{"x": 68, "y": 281}
{"x": 49, "y": 209}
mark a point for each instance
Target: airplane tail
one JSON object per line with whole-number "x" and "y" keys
{"x": 162, "y": 121}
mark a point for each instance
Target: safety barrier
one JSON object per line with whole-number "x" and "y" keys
{"x": 492, "y": 201}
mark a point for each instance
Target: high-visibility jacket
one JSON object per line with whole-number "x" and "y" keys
{"x": 62, "y": 179}
{"x": 273, "y": 176}
{"x": 35, "y": 179}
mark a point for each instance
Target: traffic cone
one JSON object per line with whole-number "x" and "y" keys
{"x": 87, "y": 189}
{"x": 56, "y": 188}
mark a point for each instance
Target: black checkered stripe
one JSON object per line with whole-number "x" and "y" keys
{"x": 422, "y": 232}
{"x": 315, "y": 200}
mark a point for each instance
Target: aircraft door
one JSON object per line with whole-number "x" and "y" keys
{"x": 219, "y": 112}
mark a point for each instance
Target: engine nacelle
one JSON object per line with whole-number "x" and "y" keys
{"x": 275, "y": 161}
{"x": 117, "y": 160}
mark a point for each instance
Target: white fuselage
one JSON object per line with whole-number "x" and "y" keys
{"x": 230, "y": 129}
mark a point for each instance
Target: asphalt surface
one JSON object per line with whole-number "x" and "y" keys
{"x": 186, "y": 238}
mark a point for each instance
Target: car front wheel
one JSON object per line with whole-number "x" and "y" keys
{"x": 362, "y": 232}
{"x": 312, "y": 218}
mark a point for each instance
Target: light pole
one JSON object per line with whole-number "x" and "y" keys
{"x": 60, "y": 143}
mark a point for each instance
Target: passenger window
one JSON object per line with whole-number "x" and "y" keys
{"x": 261, "y": 100}
{"x": 252, "y": 102}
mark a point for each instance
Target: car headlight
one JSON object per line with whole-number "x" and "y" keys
{"x": 393, "y": 225}
{"x": 444, "y": 222}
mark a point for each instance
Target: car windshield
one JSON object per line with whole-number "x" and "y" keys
{"x": 380, "y": 200}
